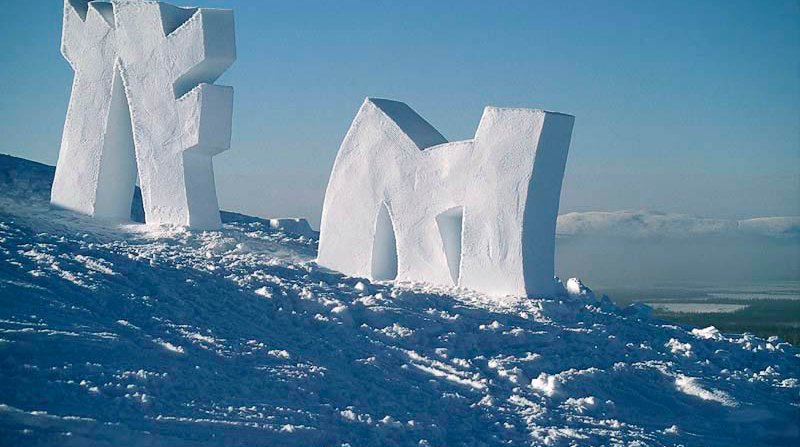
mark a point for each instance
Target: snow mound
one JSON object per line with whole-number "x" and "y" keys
{"x": 157, "y": 335}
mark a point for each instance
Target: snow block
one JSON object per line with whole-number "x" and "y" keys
{"x": 293, "y": 225}
{"x": 143, "y": 105}
{"x": 403, "y": 203}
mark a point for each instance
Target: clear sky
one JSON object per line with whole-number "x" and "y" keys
{"x": 689, "y": 107}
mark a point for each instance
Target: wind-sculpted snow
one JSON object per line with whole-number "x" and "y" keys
{"x": 144, "y": 335}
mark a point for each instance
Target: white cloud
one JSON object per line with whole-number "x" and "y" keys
{"x": 648, "y": 224}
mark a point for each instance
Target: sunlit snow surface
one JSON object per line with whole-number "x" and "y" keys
{"x": 133, "y": 335}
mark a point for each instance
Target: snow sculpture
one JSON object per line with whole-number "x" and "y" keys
{"x": 143, "y": 103}
{"x": 403, "y": 203}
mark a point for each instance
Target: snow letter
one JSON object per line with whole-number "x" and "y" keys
{"x": 403, "y": 203}
{"x": 143, "y": 103}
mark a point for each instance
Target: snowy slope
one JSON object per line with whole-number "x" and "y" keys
{"x": 133, "y": 335}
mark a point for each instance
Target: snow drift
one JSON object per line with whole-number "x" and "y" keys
{"x": 154, "y": 335}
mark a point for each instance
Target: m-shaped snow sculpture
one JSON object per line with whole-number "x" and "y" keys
{"x": 143, "y": 103}
{"x": 403, "y": 203}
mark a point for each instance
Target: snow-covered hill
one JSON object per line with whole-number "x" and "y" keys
{"x": 133, "y": 335}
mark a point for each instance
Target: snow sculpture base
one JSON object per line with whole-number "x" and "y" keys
{"x": 403, "y": 203}
{"x": 143, "y": 104}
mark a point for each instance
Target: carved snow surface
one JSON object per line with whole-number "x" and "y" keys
{"x": 403, "y": 203}
{"x": 143, "y": 105}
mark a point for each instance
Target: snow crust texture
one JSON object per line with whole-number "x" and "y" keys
{"x": 404, "y": 204}
{"x": 143, "y": 105}
{"x": 155, "y": 335}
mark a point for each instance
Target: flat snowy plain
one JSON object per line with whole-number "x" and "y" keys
{"x": 133, "y": 335}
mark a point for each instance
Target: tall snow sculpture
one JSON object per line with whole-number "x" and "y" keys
{"x": 403, "y": 203}
{"x": 143, "y": 103}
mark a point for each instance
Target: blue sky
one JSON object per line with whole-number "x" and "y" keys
{"x": 689, "y": 107}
